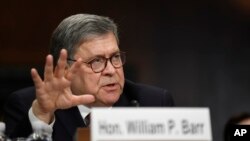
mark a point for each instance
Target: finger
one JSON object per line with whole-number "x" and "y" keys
{"x": 36, "y": 78}
{"x": 48, "y": 69}
{"x": 61, "y": 64}
{"x": 82, "y": 99}
{"x": 73, "y": 69}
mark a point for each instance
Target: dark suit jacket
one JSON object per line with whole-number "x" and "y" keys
{"x": 67, "y": 121}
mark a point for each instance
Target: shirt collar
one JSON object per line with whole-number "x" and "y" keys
{"x": 84, "y": 110}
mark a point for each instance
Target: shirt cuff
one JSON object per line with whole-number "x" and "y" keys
{"x": 33, "y": 119}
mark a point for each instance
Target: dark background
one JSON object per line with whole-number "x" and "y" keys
{"x": 197, "y": 49}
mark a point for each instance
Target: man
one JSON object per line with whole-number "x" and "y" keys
{"x": 84, "y": 70}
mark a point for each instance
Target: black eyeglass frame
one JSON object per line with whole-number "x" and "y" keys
{"x": 122, "y": 58}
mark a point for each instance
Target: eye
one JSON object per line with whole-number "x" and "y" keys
{"x": 97, "y": 60}
{"x": 116, "y": 57}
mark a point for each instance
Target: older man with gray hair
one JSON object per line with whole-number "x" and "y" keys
{"x": 84, "y": 69}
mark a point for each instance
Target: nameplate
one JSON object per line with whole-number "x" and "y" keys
{"x": 150, "y": 124}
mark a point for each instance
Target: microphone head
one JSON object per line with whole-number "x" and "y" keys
{"x": 135, "y": 103}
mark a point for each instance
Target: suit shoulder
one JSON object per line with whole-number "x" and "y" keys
{"x": 24, "y": 96}
{"x": 140, "y": 87}
{"x": 24, "y": 93}
{"x": 148, "y": 94}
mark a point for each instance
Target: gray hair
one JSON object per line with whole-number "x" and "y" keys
{"x": 76, "y": 29}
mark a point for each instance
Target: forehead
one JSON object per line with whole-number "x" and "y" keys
{"x": 103, "y": 45}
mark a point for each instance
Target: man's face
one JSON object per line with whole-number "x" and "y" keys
{"x": 107, "y": 85}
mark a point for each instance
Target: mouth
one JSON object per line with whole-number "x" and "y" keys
{"x": 111, "y": 87}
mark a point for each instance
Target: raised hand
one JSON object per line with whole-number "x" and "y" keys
{"x": 54, "y": 91}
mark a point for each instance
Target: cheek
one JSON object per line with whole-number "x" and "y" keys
{"x": 84, "y": 83}
{"x": 91, "y": 83}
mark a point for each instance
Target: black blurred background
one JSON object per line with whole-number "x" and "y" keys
{"x": 197, "y": 49}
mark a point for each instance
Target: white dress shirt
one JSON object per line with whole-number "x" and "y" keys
{"x": 84, "y": 111}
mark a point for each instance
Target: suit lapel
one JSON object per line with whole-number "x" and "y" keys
{"x": 124, "y": 100}
{"x": 127, "y": 96}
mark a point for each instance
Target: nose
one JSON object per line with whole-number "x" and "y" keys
{"x": 109, "y": 69}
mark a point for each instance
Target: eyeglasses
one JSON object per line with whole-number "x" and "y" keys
{"x": 99, "y": 63}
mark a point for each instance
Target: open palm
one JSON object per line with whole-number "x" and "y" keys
{"x": 54, "y": 91}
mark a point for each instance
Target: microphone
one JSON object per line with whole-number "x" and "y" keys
{"x": 135, "y": 103}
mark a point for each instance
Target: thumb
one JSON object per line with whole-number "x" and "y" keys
{"x": 82, "y": 99}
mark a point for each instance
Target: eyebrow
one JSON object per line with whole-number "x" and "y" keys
{"x": 96, "y": 56}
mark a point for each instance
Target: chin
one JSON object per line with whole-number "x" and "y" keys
{"x": 109, "y": 97}
{"x": 110, "y": 100}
